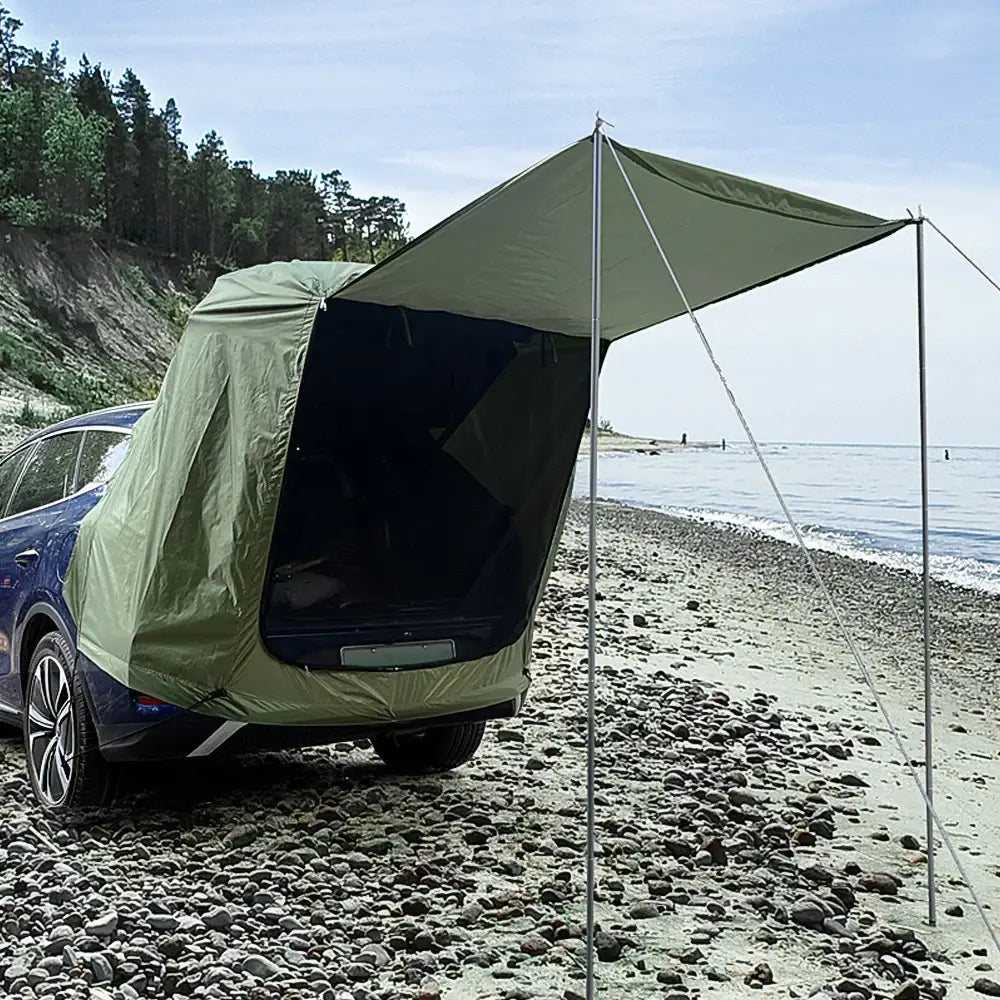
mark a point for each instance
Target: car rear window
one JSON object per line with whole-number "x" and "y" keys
{"x": 102, "y": 453}
{"x": 49, "y": 473}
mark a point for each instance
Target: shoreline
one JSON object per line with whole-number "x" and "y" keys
{"x": 892, "y": 560}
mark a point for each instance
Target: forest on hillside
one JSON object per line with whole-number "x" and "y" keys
{"x": 79, "y": 153}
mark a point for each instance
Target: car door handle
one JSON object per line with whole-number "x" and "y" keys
{"x": 27, "y": 557}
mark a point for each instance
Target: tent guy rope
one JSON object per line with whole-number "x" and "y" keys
{"x": 960, "y": 252}
{"x": 810, "y": 561}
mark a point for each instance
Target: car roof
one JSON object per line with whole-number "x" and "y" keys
{"x": 114, "y": 416}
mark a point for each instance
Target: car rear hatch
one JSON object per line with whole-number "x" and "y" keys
{"x": 429, "y": 458}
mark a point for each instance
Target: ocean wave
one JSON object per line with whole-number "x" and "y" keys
{"x": 972, "y": 574}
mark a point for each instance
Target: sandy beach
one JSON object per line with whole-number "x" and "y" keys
{"x": 612, "y": 441}
{"x": 754, "y": 816}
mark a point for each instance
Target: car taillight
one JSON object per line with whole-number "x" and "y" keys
{"x": 146, "y": 705}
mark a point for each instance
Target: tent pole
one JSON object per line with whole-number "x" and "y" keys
{"x": 595, "y": 368}
{"x": 925, "y": 538}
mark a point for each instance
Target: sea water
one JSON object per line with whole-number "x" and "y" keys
{"x": 861, "y": 501}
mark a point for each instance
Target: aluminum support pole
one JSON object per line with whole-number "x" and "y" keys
{"x": 925, "y": 540}
{"x": 595, "y": 370}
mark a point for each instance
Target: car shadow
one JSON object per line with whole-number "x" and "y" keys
{"x": 227, "y": 792}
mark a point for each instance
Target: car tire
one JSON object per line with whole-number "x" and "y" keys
{"x": 65, "y": 766}
{"x": 437, "y": 749}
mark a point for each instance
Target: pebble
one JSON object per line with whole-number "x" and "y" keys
{"x": 218, "y": 918}
{"x": 103, "y": 926}
{"x": 260, "y": 967}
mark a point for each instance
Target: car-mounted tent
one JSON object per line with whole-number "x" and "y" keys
{"x": 470, "y": 344}
{"x": 176, "y": 574}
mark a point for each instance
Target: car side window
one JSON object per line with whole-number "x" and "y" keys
{"x": 49, "y": 474}
{"x": 10, "y": 469}
{"x": 100, "y": 457}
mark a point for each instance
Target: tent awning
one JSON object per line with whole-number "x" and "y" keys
{"x": 522, "y": 251}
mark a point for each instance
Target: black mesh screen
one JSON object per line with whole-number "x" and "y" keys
{"x": 429, "y": 457}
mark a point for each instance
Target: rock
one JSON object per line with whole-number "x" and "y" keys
{"x": 535, "y": 944}
{"x": 744, "y": 797}
{"x": 807, "y": 913}
{"x": 639, "y": 621}
{"x": 851, "y": 986}
{"x": 955, "y": 911}
{"x": 833, "y": 926}
{"x": 240, "y": 836}
{"x": 376, "y": 955}
{"x": 260, "y": 967}
{"x": 761, "y": 974}
{"x": 908, "y": 991}
{"x": 852, "y": 781}
{"x": 218, "y": 919}
{"x": 689, "y": 956}
{"x": 843, "y": 892}
{"x": 909, "y": 842}
{"x": 693, "y": 605}
{"x": 644, "y": 910}
{"x": 607, "y": 946}
{"x": 679, "y": 848}
{"x": 668, "y": 977}
{"x": 879, "y": 882}
{"x": 358, "y": 972}
{"x": 716, "y": 850}
{"x": 987, "y": 987}
{"x": 173, "y": 946}
{"x": 103, "y": 926}
{"x": 166, "y": 923}
{"x": 101, "y": 969}
{"x": 18, "y": 969}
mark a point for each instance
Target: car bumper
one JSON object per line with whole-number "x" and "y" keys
{"x": 180, "y": 734}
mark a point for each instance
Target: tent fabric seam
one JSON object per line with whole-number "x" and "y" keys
{"x": 636, "y": 157}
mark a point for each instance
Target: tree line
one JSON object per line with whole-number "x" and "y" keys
{"x": 80, "y": 153}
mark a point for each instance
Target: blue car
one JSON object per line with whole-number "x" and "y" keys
{"x": 78, "y": 723}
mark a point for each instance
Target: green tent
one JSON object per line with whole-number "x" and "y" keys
{"x": 344, "y": 503}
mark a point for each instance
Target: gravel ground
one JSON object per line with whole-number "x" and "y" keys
{"x": 730, "y": 820}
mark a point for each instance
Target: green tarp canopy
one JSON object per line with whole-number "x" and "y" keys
{"x": 171, "y": 578}
{"x": 522, "y": 251}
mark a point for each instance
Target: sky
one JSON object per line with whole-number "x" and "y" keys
{"x": 882, "y": 105}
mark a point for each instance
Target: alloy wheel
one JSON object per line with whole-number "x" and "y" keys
{"x": 51, "y": 730}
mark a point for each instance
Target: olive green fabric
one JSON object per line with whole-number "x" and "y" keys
{"x": 166, "y": 578}
{"x": 522, "y": 252}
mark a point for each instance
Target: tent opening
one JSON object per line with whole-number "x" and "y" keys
{"x": 429, "y": 459}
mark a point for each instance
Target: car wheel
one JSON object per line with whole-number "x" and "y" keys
{"x": 65, "y": 765}
{"x": 440, "y": 748}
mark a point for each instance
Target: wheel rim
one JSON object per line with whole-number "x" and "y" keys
{"x": 51, "y": 730}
